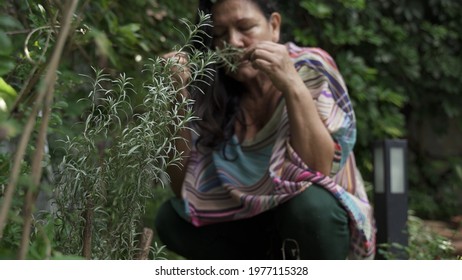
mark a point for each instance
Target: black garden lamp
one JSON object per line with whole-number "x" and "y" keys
{"x": 391, "y": 194}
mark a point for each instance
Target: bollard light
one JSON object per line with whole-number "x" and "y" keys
{"x": 391, "y": 193}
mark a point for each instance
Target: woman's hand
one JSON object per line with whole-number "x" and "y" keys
{"x": 178, "y": 61}
{"x": 274, "y": 60}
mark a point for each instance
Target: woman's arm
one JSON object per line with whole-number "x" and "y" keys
{"x": 183, "y": 140}
{"x": 310, "y": 137}
{"x": 177, "y": 172}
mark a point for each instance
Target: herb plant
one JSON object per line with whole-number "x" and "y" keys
{"x": 110, "y": 171}
{"x": 424, "y": 244}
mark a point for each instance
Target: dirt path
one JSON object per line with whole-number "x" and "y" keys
{"x": 451, "y": 230}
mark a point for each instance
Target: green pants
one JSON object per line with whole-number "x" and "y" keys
{"x": 311, "y": 225}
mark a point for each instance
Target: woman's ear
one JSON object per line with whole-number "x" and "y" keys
{"x": 275, "y": 23}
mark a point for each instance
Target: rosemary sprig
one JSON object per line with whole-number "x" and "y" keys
{"x": 229, "y": 57}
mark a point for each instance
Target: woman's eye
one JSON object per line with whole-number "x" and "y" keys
{"x": 246, "y": 27}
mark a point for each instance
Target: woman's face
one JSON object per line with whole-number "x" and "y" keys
{"x": 241, "y": 23}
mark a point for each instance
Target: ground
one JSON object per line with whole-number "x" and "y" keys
{"x": 451, "y": 230}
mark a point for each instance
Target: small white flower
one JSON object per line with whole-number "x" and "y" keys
{"x": 3, "y": 106}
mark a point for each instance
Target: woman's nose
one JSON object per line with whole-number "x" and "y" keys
{"x": 236, "y": 39}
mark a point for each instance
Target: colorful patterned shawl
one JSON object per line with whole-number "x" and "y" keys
{"x": 266, "y": 171}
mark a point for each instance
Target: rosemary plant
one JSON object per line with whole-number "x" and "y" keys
{"x": 110, "y": 171}
{"x": 229, "y": 56}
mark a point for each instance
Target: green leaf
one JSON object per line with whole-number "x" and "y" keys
{"x": 104, "y": 45}
{"x": 128, "y": 33}
{"x": 7, "y": 93}
{"x": 358, "y": 4}
{"x": 6, "y": 64}
{"x": 318, "y": 10}
{"x": 6, "y": 47}
{"x": 60, "y": 105}
{"x": 8, "y": 22}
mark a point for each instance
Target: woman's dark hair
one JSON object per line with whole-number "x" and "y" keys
{"x": 217, "y": 102}
{"x": 267, "y": 7}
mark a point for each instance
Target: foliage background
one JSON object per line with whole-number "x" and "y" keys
{"x": 401, "y": 61}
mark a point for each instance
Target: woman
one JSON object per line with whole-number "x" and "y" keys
{"x": 270, "y": 172}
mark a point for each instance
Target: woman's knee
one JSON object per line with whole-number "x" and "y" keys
{"x": 314, "y": 203}
{"x": 317, "y": 222}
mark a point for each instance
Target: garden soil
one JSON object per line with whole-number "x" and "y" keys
{"x": 451, "y": 230}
